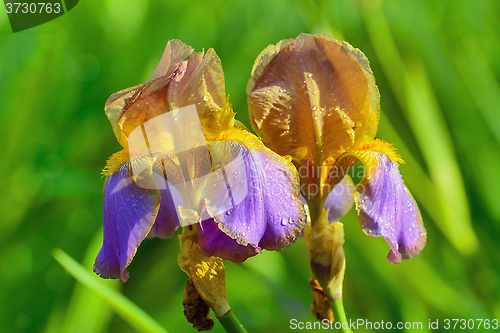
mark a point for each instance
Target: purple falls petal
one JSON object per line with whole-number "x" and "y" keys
{"x": 253, "y": 198}
{"x": 129, "y": 212}
{"x": 285, "y": 214}
{"x": 214, "y": 242}
{"x": 340, "y": 200}
{"x": 386, "y": 208}
{"x": 233, "y": 195}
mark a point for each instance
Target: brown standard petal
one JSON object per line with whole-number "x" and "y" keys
{"x": 312, "y": 98}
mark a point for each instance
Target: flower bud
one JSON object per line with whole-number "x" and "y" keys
{"x": 325, "y": 241}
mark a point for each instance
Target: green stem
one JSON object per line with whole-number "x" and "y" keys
{"x": 231, "y": 323}
{"x": 316, "y": 208}
{"x": 338, "y": 307}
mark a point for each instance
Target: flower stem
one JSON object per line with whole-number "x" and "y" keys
{"x": 338, "y": 307}
{"x": 231, "y": 323}
{"x": 316, "y": 208}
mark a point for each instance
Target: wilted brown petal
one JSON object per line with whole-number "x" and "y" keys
{"x": 174, "y": 84}
{"x": 197, "y": 312}
{"x": 320, "y": 307}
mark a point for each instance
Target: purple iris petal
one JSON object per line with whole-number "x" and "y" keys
{"x": 253, "y": 198}
{"x": 129, "y": 212}
{"x": 340, "y": 199}
{"x": 386, "y": 208}
{"x": 284, "y": 212}
{"x": 214, "y": 242}
{"x": 167, "y": 220}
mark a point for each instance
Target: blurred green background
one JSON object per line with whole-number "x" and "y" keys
{"x": 437, "y": 65}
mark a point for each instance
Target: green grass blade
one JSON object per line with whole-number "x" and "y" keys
{"x": 86, "y": 310}
{"x": 130, "y": 312}
{"x": 430, "y": 129}
{"x": 481, "y": 83}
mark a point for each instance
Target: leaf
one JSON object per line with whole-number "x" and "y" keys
{"x": 124, "y": 307}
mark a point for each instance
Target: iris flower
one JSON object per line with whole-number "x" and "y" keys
{"x": 315, "y": 99}
{"x": 237, "y": 196}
